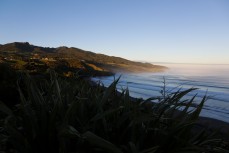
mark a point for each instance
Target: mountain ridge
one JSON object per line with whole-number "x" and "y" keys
{"x": 75, "y": 56}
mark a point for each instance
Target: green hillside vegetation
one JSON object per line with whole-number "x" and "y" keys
{"x": 71, "y": 57}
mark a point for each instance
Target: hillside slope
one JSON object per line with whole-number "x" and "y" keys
{"x": 74, "y": 57}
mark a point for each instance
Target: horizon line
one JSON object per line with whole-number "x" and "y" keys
{"x": 182, "y": 63}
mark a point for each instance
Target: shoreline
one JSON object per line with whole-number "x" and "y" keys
{"x": 210, "y": 124}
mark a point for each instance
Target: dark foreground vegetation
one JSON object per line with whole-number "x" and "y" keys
{"x": 52, "y": 113}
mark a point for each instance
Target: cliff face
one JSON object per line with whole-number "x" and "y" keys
{"x": 74, "y": 57}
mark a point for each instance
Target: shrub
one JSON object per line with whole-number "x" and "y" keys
{"x": 69, "y": 115}
{"x": 8, "y": 87}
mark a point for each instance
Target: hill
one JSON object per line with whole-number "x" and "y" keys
{"x": 73, "y": 58}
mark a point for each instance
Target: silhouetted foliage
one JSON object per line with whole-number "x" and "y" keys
{"x": 8, "y": 83}
{"x": 69, "y": 115}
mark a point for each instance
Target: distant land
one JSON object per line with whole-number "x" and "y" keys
{"x": 23, "y": 55}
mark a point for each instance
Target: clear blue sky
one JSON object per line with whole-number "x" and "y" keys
{"x": 180, "y": 31}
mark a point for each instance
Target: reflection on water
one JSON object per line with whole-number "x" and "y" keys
{"x": 213, "y": 79}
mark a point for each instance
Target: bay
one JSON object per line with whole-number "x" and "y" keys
{"x": 212, "y": 80}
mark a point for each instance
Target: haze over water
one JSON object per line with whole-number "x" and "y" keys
{"x": 210, "y": 79}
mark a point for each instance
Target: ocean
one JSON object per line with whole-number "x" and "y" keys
{"x": 212, "y": 80}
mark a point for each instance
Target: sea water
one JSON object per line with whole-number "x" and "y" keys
{"x": 212, "y": 80}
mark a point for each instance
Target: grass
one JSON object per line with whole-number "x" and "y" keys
{"x": 69, "y": 115}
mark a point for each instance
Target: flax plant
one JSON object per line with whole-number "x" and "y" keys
{"x": 69, "y": 115}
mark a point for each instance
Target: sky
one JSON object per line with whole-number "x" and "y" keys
{"x": 177, "y": 31}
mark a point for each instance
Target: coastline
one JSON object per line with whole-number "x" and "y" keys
{"x": 87, "y": 103}
{"x": 211, "y": 125}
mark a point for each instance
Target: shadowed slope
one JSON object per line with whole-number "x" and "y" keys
{"x": 74, "y": 57}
